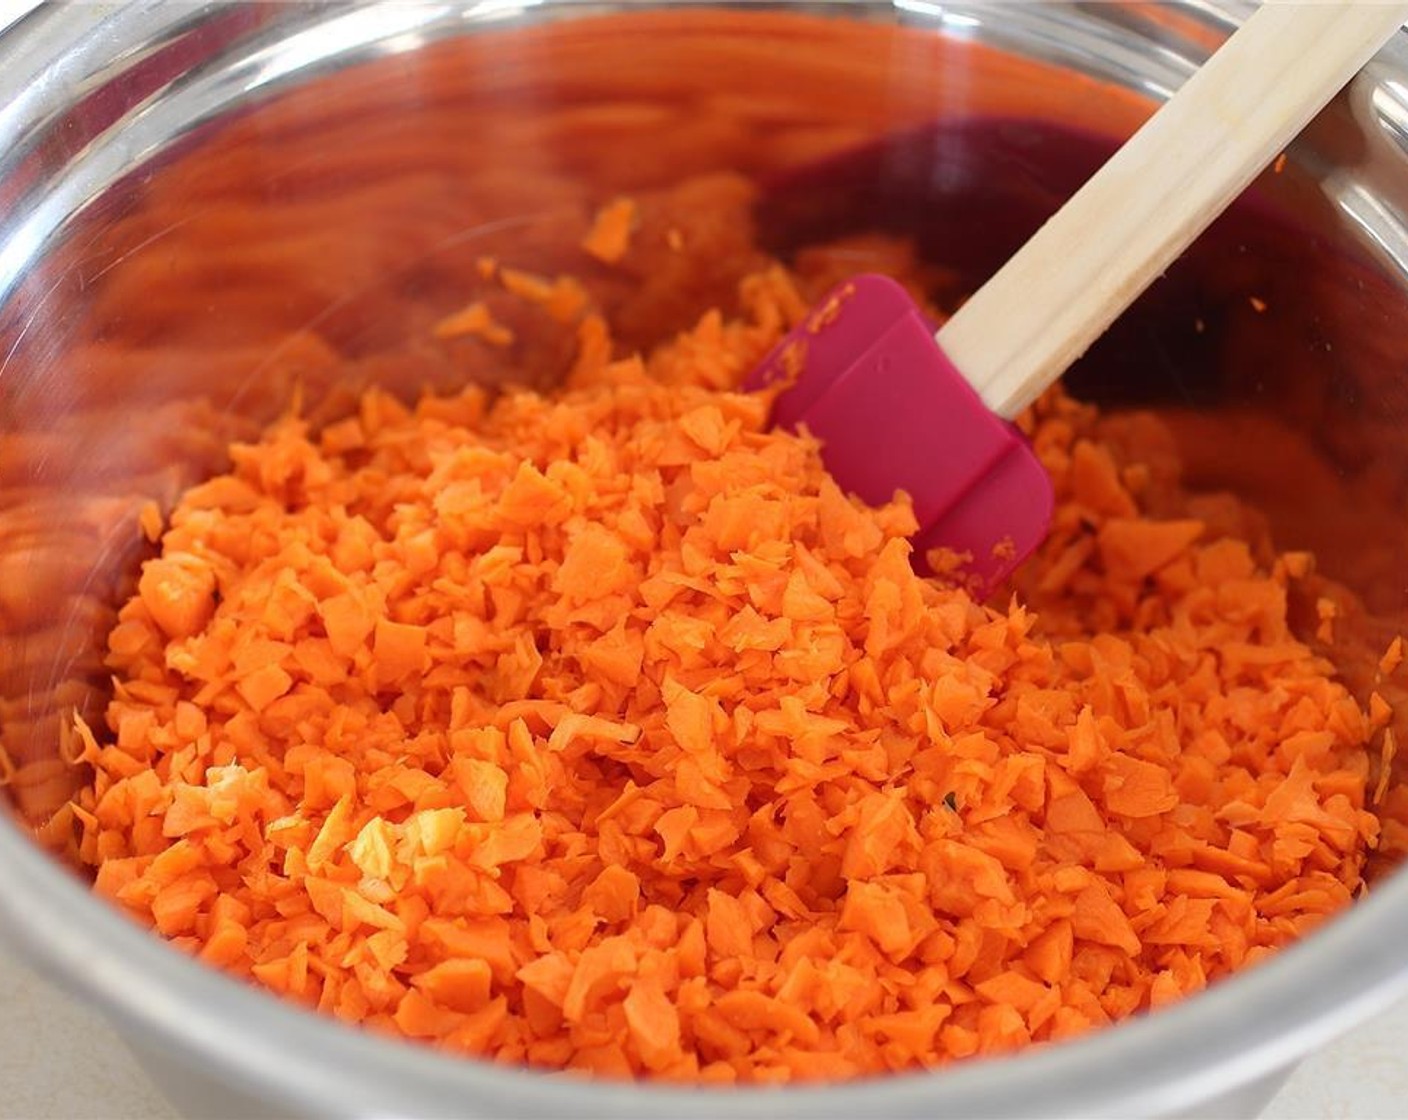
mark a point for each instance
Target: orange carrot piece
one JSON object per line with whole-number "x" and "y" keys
{"x": 474, "y": 321}
{"x": 460, "y": 985}
{"x": 654, "y": 1024}
{"x": 1133, "y": 549}
{"x": 179, "y": 591}
{"x": 610, "y": 235}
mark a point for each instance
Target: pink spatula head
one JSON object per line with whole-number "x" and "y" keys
{"x": 893, "y": 413}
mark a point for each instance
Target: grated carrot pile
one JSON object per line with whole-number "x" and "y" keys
{"x": 599, "y": 730}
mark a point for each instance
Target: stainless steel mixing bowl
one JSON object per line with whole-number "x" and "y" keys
{"x": 200, "y": 204}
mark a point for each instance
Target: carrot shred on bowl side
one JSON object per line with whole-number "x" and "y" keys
{"x": 600, "y": 730}
{"x": 610, "y": 235}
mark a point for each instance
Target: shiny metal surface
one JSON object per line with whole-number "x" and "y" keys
{"x": 201, "y": 204}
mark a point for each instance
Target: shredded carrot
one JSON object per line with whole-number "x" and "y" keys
{"x": 610, "y": 235}
{"x": 474, "y": 321}
{"x": 564, "y": 298}
{"x": 1327, "y": 612}
{"x": 1388, "y": 751}
{"x": 1392, "y": 658}
{"x": 149, "y": 521}
{"x": 600, "y": 731}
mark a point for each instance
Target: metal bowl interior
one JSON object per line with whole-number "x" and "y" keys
{"x": 200, "y": 206}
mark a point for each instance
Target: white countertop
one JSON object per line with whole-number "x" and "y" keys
{"x": 59, "y": 1061}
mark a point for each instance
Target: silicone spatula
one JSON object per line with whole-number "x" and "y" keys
{"x": 898, "y": 407}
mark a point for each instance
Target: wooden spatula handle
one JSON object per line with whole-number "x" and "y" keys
{"x": 1041, "y": 311}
